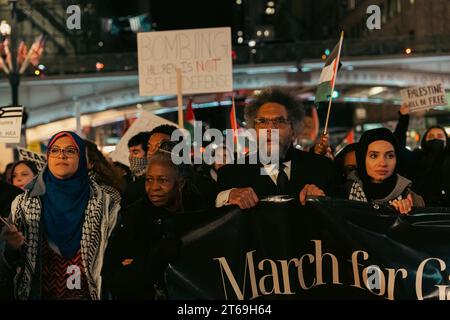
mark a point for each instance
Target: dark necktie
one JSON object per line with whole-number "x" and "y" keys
{"x": 282, "y": 180}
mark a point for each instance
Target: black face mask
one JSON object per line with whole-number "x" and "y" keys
{"x": 434, "y": 145}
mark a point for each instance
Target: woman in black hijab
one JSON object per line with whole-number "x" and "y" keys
{"x": 376, "y": 178}
{"x": 428, "y": 167}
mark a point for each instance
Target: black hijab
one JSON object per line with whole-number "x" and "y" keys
{"x": 373, "y": 190}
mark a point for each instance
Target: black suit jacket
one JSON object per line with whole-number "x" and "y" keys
{"x": 306, "y": 168}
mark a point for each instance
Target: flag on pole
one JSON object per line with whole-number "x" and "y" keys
{"x": 37, "y": 49}
{"x": 328, "y": 75}
{"x": 189, "y": 118}
{"x": 22, "y": 53}
{"x": 233, "y": 120}
{"x": 350, "y": 137}
{"x": 34, "y": 54}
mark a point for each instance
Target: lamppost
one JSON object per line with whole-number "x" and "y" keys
{"x": 17, "y": 58}
{"x": 12, "y": 71}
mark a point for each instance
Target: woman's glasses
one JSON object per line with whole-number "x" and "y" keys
{"x": 55, "y": 152}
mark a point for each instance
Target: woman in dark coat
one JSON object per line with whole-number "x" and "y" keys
{"x": 428, "y": 167}
{"x": 147, "y": 240}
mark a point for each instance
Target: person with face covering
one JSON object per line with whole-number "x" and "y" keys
{"x": 147, "y": 240}
{"x": 345, "y": 161}
{"x": 428, "y": 167}
{"x": 375, "y": 178}
{"x": 59, "y": 228}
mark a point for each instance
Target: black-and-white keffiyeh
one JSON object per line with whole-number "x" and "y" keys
{"x": 100, "y": 219}
{"x": 138, "y": 166}
{"x": 115, "y": 195}
{"x": 357, "y": 194}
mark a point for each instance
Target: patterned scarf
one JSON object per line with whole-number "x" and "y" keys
{"x": 357, "y": 194}
{"x": 138, "y": 166}
{"x": 100, "y": 219}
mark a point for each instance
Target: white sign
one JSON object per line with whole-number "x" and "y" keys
{"x": 424, "y": 98}
{"x": 146, "y": 122}
{"x": 10, "y": 124}
{"x": 39, "y": 159}
{"x": 203, "y": 56}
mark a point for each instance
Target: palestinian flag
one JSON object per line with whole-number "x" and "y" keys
{"x": 350, "y": 137}
{"x": 233, "y": 120}
{"x": 328, "y": 75}
{"x": 189, "y": 118}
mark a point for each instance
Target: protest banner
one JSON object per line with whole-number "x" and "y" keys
{"x": 39, "y": 159}
{"x": 203, "y": 57}
{"x": 424, "y": 98}
{"x": 10, "y": 124}
{"x": 145, "y": 122}
{"x": 328, "y": 249}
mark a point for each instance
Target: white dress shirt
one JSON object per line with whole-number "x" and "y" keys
{"x": 270, "y": 169}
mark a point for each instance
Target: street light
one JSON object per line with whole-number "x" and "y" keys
{"x": 5, "y": 28}
{"x": 17, "y": 58}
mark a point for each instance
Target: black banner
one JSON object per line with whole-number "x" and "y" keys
{"x": 329, "y": 249}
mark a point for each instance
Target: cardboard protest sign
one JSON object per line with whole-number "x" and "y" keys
{"x": 10, "y": 124}
{"x": 424, "y": 98}
{"x": 203, "y": 55}
{"x": 145, "y": 122}
{"x": 39, "y": 159}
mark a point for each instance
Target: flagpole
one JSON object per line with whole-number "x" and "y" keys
{"x": 325, "y": 129}
{"x": 234, "y": 124}
{"x": 180, "y": 99}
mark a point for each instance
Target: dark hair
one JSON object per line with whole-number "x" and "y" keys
{"x": 106, "y": 172}
{"x": 28, "y": 163}
{"x": 140, "y": 139}
{"x": 164, "y": 129}
{"x": 275, "y": 94}
{"x": 340, "y": 156}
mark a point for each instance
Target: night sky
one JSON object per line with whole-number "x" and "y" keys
{"x": 189, "y": 14}
{"x": 170, "y": 15}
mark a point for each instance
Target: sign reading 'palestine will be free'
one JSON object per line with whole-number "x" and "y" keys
{"x": 202, "y": 55}
{"x": 426, "y": 97}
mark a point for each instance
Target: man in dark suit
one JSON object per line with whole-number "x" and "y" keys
{"x": 295, "y": 173}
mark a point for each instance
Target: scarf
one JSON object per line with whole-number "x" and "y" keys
{"x": 373, "y": 190}
{"x": 138, "y": 166}
{"x": 65, "y": 201}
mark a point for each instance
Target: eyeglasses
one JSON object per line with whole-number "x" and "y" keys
{"x": 276, "y": 122}
{"x": 68, "y": 152}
